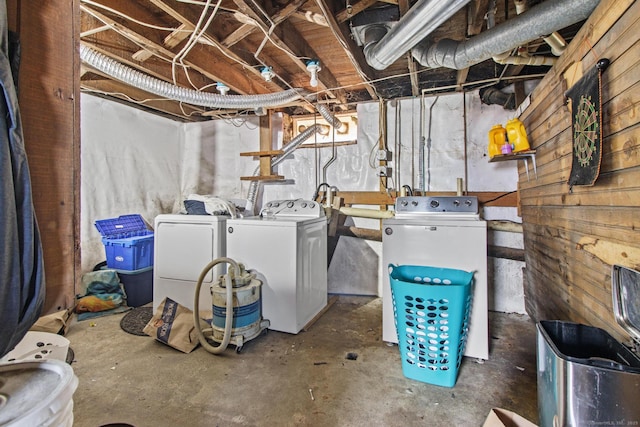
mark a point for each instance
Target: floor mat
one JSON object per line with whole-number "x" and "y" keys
{"x": 134, "y": 321}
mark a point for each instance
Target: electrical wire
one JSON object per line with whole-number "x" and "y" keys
{"x": 195, "y": 35}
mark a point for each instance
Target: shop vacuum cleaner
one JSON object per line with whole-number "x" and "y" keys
{"x": 239, "y": 290}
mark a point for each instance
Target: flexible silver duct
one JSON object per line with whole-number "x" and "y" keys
{"x": 326, "y": 113}
{"x": 382, "y": 50}
{"x": 252, "y": 195}
{"x": 544, "y": 18}
{"x": 158, "y": 87}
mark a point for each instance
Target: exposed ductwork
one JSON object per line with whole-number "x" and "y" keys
{"x": 288, "y": 149}
{"x": 542, "y": 19}
{"x": 382, "y": 47}
{"x": 159, "y": 87}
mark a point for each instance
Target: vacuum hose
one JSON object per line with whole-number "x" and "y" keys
{"x": 228, "y": 323}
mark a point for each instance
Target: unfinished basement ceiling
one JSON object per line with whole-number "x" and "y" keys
{"x": 198, "y": 45}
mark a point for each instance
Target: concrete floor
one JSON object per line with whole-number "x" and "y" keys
{"x": 295, "y": 380}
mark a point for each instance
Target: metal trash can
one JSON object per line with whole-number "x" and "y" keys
{"x": 585, "y": 376}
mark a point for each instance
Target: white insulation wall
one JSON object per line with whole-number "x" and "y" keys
{"x": 135, "y": 162}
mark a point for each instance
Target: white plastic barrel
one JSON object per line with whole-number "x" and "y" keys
{"x": 37, "y": 394}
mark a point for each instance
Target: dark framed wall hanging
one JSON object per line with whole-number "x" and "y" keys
{"x": 586, "y": 120}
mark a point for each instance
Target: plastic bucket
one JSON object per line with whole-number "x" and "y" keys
{"x": 37, "y": 346}
{"x": 37, "y": 394}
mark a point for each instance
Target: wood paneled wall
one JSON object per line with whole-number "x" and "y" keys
{"x": 572, "y": 238}
{"x": 49, "y": 96}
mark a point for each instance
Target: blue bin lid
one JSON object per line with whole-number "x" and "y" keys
{"x": 122, "y": 227}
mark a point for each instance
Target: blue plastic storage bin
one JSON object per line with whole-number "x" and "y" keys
{"x": 138, "y": 285}
{"x": 128, "y": 244}
{"x": 431, "y": 307}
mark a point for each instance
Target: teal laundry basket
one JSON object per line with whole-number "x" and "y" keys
{"x": 431, "y": 307}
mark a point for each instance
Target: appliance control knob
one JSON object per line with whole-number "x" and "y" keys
{"x": 269, "y": 204}
{"x": 467, "y": 202}
{"x": 304, "y": 204}
{"x": 388, "y": 231}
{"x": 456, "y": 203}
{"x": 290, "y": 204}
{"x": 312, "y": 205}
{"x": 404, "y": 203}
{"x": 230, "y": 229}
{"x": 434, "y": 203}
{"x": 276, "y": 204}
{"x": 414, "y": 203}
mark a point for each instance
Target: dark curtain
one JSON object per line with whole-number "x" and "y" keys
{"x": 22, "y": 283}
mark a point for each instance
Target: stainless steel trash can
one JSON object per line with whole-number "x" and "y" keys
{"x": 585, "y": 376}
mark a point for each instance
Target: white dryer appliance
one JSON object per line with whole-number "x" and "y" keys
{"x": 441, "y": 232}
{"x": 184, "y": 245}
{"x": 287, "y": 246}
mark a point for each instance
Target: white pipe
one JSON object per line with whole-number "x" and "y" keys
{"x": 366, "y": 213}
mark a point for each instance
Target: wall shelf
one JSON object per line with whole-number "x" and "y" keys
{"x": 270, "y": 153}
{"x": 521, "y": 155}
{"x": 262, "y": 178}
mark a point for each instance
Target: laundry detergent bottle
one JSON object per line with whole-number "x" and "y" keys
{"x": 497, "y": 139}
{"x": 517, "y": 135}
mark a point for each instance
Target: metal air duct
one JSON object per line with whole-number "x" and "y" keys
{"x": 544, "y": 18}
{"x": 383, "y": 48}
{"x": 167, "y": 90}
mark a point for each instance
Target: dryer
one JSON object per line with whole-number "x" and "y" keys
{"x": 183, "y": 246}
{"x": 444, "y": 231}
{"x": 287, "y": 246}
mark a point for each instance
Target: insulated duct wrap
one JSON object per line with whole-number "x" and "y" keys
{"x": 158, "y": 87}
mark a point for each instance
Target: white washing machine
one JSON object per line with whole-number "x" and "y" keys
{"x": 440, "y": 232}
{"x": 183, "y": 246}
{"x": 287, "y": 246}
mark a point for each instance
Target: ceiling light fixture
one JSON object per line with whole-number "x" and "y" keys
{"x": 313, "y": 67}
{"x": 267, "y": 73}
{"x": 222, "y": 88}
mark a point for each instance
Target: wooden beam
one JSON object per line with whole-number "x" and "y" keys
{"x": 309, "y": 16}
{"x": 356, "y": 7}
{"x": 210, "y": 39}
{"x": 246, "y": 29}
{"x": 353, "y": 52}
{"x": 404, "y": 7}
{"x": 266, "y": 144}
{"x": 505, "y": 252}
{"x": 172, "y": 40}
{"x": 295, "y": 46}
{"x": 225, "y": 72}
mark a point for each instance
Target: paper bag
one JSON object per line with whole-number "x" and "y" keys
{"x": 499, "y": 417}
{"x": 172, "y": 324}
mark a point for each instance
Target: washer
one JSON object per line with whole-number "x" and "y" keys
{"x": 441, "y": 232}
{"x": 183, "y": 246}
{"x": 287, "y": 246}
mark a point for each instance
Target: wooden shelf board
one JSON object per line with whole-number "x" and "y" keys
{"x": 270, "y": 153}
{"x": 262, "y": 178}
